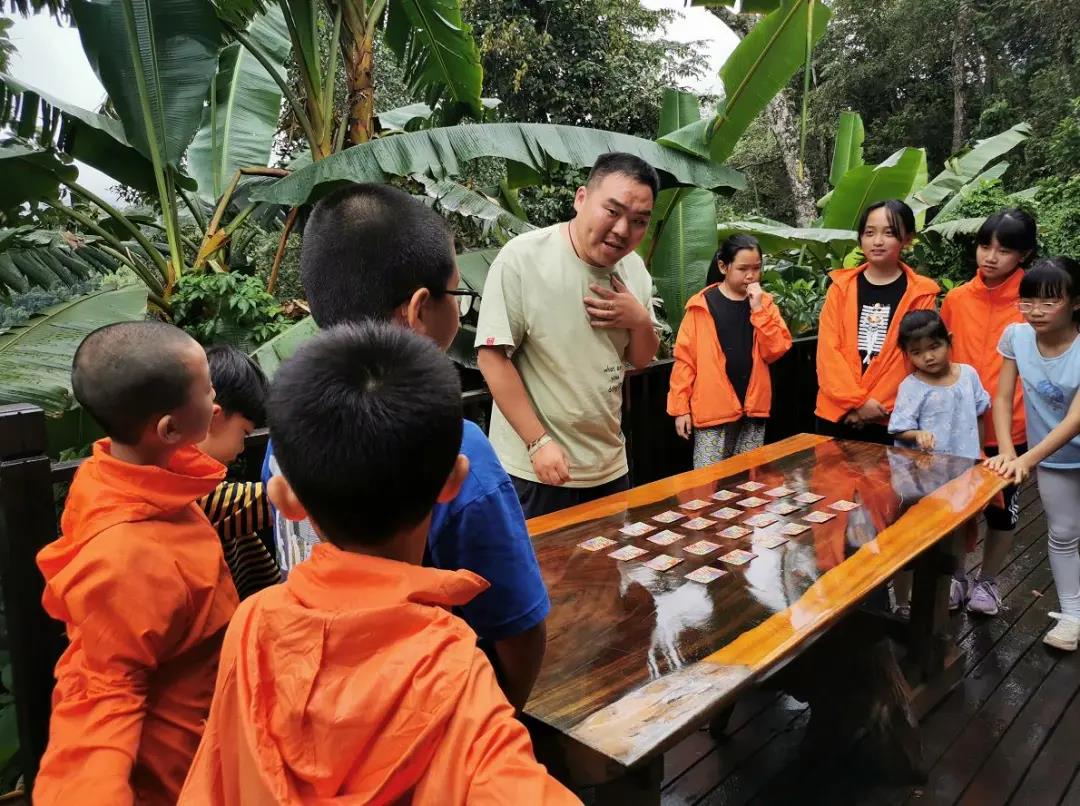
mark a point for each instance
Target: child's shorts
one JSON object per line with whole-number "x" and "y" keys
{"x": 1004, "y": 519}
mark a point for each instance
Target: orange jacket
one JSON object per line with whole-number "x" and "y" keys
{"x": 977, "y": 315}
{"x": 140, "y": 581}
{"x": 699, "y": 381}
{"x": 353, "y": 683}
{"x": 842, "y": 386}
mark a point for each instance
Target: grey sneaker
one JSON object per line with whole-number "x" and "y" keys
{"x": 984, "y": 599}
{"x": 1065, "y": 635}
{"x": 958, "y": 590}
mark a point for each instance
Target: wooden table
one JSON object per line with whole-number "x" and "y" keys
{"x": 637, "y": 659}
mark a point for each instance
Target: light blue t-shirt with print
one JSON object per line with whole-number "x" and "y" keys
{"x": 1050, "y": 384}
{"x": 950, "y": 413}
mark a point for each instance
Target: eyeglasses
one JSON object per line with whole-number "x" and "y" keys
{"x": 1042, "y": 306}
{"x": 467, "y": 300}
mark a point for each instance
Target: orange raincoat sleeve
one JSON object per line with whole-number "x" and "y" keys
{"x": 486, "y": 756}
{"x": 684, "y": 371}
{"x": 836, "y": 379}
{"x": 129, "y": 614}
{"x": 947, "y": 313}
{"x": 774, "y": 338}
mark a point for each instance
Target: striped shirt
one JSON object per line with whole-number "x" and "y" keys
{"x": 238, "y": 511}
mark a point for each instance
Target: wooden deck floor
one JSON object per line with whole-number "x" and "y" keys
{"x": 1008, "y": 733}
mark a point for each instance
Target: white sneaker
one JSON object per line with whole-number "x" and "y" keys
{"x": 1066, "y": 635}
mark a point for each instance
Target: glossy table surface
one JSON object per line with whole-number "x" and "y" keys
{"x": 637, "y": 658}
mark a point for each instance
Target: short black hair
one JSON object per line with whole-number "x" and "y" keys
{"x": 901, "y": 217}
{"x": 1052, "y": 278}
{"x": 366, "y": 422}
{"x": 731, "y": 246}
{"x": 127, "y": 374}
{"x": 1014, "y": 229}
{"x": 618, "y": 162}
{"x": 922, "y": 324}
{"x": 367, "y": 248}
{"x": 240, "y": 385}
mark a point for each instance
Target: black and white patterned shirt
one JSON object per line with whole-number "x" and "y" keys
{"x": 877, "y": 305}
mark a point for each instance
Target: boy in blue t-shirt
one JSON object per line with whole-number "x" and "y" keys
{"x": 374, "y": 252}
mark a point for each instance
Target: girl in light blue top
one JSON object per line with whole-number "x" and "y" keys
{"x": 1044, "y": 353}
{"x": 938, "y": 409}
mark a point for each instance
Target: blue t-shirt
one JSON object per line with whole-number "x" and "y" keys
{"x": 950, "y": 413}
{"x": 481, "y": 530}
{"x": 1050, "y": 384}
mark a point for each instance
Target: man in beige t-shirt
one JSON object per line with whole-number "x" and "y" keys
{"x": 564, "y": 309}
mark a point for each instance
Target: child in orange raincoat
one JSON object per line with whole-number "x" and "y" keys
{"x": 138, "y": 576}
{"x": 353, "y": 679}
{"x": 977, "y": 314}
{"x": 859, "y": 365}
{"x": 720, "y": 385}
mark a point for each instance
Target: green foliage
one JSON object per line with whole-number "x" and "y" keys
{"x": 596, "y": 63}
{"x": 227, "y": 307}
{"x": 799, "y": 292}
{"x": 1058, "y": 210}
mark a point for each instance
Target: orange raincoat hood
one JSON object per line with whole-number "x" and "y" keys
{"x": 352, "y": 682}
{"x": 110, "y": 492}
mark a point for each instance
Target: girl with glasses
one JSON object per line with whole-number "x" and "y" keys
{"x": 1044, "y": 353}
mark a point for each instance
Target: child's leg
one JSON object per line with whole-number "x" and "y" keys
{"x": 901, "y": 586}
{"x": 1060, "y": 494}
{"x": 710, "y": 444}
{"x": 751, "y": 434}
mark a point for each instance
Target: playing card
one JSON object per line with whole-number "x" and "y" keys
{"x": 751, "y": 502}
{"x": 818, "y": 517}
{"x": 771, "y": 541}
{"x": 596, "y": 543}
{"x": 637, "y": 529}
{"x": 781, "y": 508}
{"x": 734, "y": 532}
{"x": 628, "y": 553}
{"x": 761, "y": 521}
{"x": 705, "y": 574}
{"x": 737, "y": 557}
{"x": 662, "y": 562}
{"x": 843, "y": 506}
{"x": 696, "y": 504}
{"x": 701, "y": 547}
{"x": 794, "y": 529}
{"x": 752, "y": 486}
{"x": 697, "y": 524}
{"x": 726, "y": 514}
{"x": 808, "y": 498}
{"x": 668, "y": 517}
{"x": 724, "y": 495}
{"x": 779, "y": 492}
{"x": 664, "y": 538}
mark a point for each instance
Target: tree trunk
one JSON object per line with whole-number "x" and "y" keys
{"x": 783, "y": 122}
{"x": 959, "y": 75}
{"x": 359, "y": 50}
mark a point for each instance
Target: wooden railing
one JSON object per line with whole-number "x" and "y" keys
{"x": 32, "y": 487}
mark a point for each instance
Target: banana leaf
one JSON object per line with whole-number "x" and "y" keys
{"x": 867, "y": 184}
{"x": 35, "y": 357}
{"x": 848, "y": 151}
{"x": 539, "y": 147}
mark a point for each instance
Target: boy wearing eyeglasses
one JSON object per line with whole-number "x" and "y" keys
{"x": 374, "y": 252}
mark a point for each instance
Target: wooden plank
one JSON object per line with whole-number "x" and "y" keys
{"x": 1047, "y": 779}
{"x": 1003, "y": 769}
{"x": 959, "y": 764}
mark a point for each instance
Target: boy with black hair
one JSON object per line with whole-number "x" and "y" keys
{"x": 137, "y": 576}
{"x": 374, "y": 252}
{"x": 239, "y": 510}
{"x": 353, "y": 680}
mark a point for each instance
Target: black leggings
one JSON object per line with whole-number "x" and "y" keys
{"x": 873, "y": 432}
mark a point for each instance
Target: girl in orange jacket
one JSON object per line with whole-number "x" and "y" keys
{"x": 859, "y": 365}
{"x": 720, "y": 387}
{"x": 977, "y": 314}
